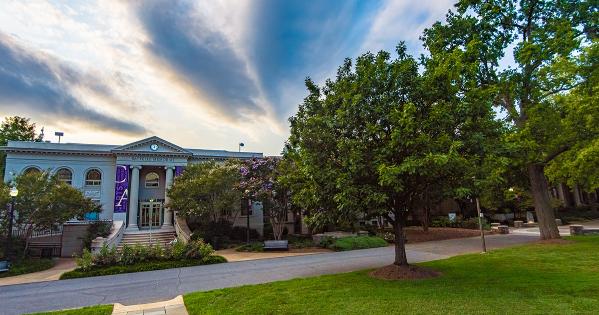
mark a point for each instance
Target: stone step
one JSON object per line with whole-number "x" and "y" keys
{"x": 161, "y": 238}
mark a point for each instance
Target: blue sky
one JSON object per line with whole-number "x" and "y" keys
{"x": 204, "y": 74}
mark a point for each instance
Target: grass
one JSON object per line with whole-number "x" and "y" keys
{"x": 143, "y": 266}
{"x": 89, "y": 310}
{"x": 530, "y": 279}
{"x": 27, "y": 265}
{"x": 357, "y": 242}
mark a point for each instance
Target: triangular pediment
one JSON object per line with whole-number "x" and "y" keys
{"x": 152, "y": 145}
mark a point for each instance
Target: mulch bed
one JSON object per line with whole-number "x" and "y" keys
{"x": 416, "y": 234}
{"x": 395, "y": 272}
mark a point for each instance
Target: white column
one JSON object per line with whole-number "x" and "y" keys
{"x": 134, "y": 197}
{"x": 168, "y": 213}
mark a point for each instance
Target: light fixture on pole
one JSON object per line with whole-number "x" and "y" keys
{"x": 247, "y": 215}
{"x": 480, "y": 223}
{"x": 59, "y": 134}
{"x": 14, "y": 192}
{"x": 241, "y": 145}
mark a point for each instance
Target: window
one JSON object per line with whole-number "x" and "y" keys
{"x": 65, "y": 175}
{"x": 31, "y": 170}
{"x": 93, "y": 178}
{"x": 152, "y": 180}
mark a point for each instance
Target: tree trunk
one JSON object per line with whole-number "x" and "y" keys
{"x": 400, "y": 242}
{"x": 543, "y": 209}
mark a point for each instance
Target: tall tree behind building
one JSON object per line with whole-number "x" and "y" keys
{"x": 547, "y": 40}
{"x": 16, "y": 128}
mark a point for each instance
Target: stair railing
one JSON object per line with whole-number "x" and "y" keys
{"x": 181, "y": 228}
{"x": 112, "y": 240}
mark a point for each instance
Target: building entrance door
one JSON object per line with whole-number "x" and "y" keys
{"x": 150, "y": 214}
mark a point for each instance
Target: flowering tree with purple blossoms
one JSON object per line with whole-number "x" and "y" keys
{"x": 261, "y": 180}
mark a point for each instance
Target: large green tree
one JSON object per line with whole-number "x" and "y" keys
{"x": 44, "y": 201}
{"x": 16, "y": 128}
{"x": 547, "y": 40}
{"x": 207, "y": 190}
{"x": 376, "y": 139}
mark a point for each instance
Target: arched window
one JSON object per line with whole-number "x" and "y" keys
{"x": 93, "y": 177}
{"x": 65, "y": 175}
{"x": 152, "y": 180}
{"x": 31, "y": 170}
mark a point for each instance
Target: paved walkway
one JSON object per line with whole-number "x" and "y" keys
{"x": 175, "y": 306}
{"x": 564, "y": 230}
{"x": 160, "y": 285}
{"x": 62, "y": 265}
{"x": 233, "y": 255}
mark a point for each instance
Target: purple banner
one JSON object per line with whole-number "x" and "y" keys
{"x": 121, "y": 189}
{"x": 179, "y": 170}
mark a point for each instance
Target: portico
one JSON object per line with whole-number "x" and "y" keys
{"x": 149, "y": 198}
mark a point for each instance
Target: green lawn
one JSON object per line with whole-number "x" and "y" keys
{"x": 27, "y": 265}
{"x": 90, "y": 310}
{"x": 531, "y": 279}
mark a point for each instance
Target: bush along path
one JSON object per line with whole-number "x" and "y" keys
{"x": 138, "y": 258}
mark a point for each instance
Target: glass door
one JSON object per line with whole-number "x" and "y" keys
{"x": 150, "y": 214}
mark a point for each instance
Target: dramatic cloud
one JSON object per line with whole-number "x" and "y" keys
{"x": 291, "y": 40}
{"x": 201, "y": 56}
{"x": 204, "y": 73}
{"x": 35, "y": 82}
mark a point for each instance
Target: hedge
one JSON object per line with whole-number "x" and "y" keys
{"x": 142, "y": 266}
{"x": 357, "y": 242}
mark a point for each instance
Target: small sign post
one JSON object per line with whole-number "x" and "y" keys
{"x": 480, "y": 224}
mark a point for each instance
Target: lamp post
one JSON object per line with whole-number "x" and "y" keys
{"x": 14, "y": 192}
{"x": 247, "y": 217}
{"x": 480, "y": 224}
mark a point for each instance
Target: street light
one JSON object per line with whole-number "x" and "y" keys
{"x": 247, "y": 220}
{"x": 14, "y": 192}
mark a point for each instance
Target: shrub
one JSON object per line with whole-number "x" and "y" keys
{"x": 357, "y": 242}
{"x": 251, "y": 247}
{"x": 300, "y": 241}
{"x": 327, "y": 241}
{"x": 198, "y": 249}
{"x": 128, "y": 256}
{"x": 86, "y": 261}
{"x": 106, "y": 257}
{"x": 95, "y": 271}
{"x": 178, "y": 250}
{"x": 470, "y": 223}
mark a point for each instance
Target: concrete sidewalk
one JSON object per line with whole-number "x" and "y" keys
{"x": 160, "y": 285}
{"x": 62, "y": 265}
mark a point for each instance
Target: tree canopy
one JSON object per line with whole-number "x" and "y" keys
{"x": 16, "y": 128}
{"x": 380, "y": 139}
{"x": 552, "y": 46}
{"x": 207, "y": 190}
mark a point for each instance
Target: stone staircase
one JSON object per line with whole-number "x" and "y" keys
{"x": 161, "y": 238}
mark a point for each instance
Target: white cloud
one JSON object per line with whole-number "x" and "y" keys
{"x": 404, "y": 20}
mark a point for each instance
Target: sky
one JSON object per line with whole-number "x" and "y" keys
{"x": 201, "y": 74}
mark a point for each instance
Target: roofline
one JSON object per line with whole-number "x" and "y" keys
{"x": 188, "y": 152}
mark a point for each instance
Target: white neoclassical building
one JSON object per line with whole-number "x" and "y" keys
{"x": 129, "y": 181}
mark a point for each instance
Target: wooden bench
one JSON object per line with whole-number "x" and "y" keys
{"x": 4, "y": 266}
{"x": 276, "y": 245}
